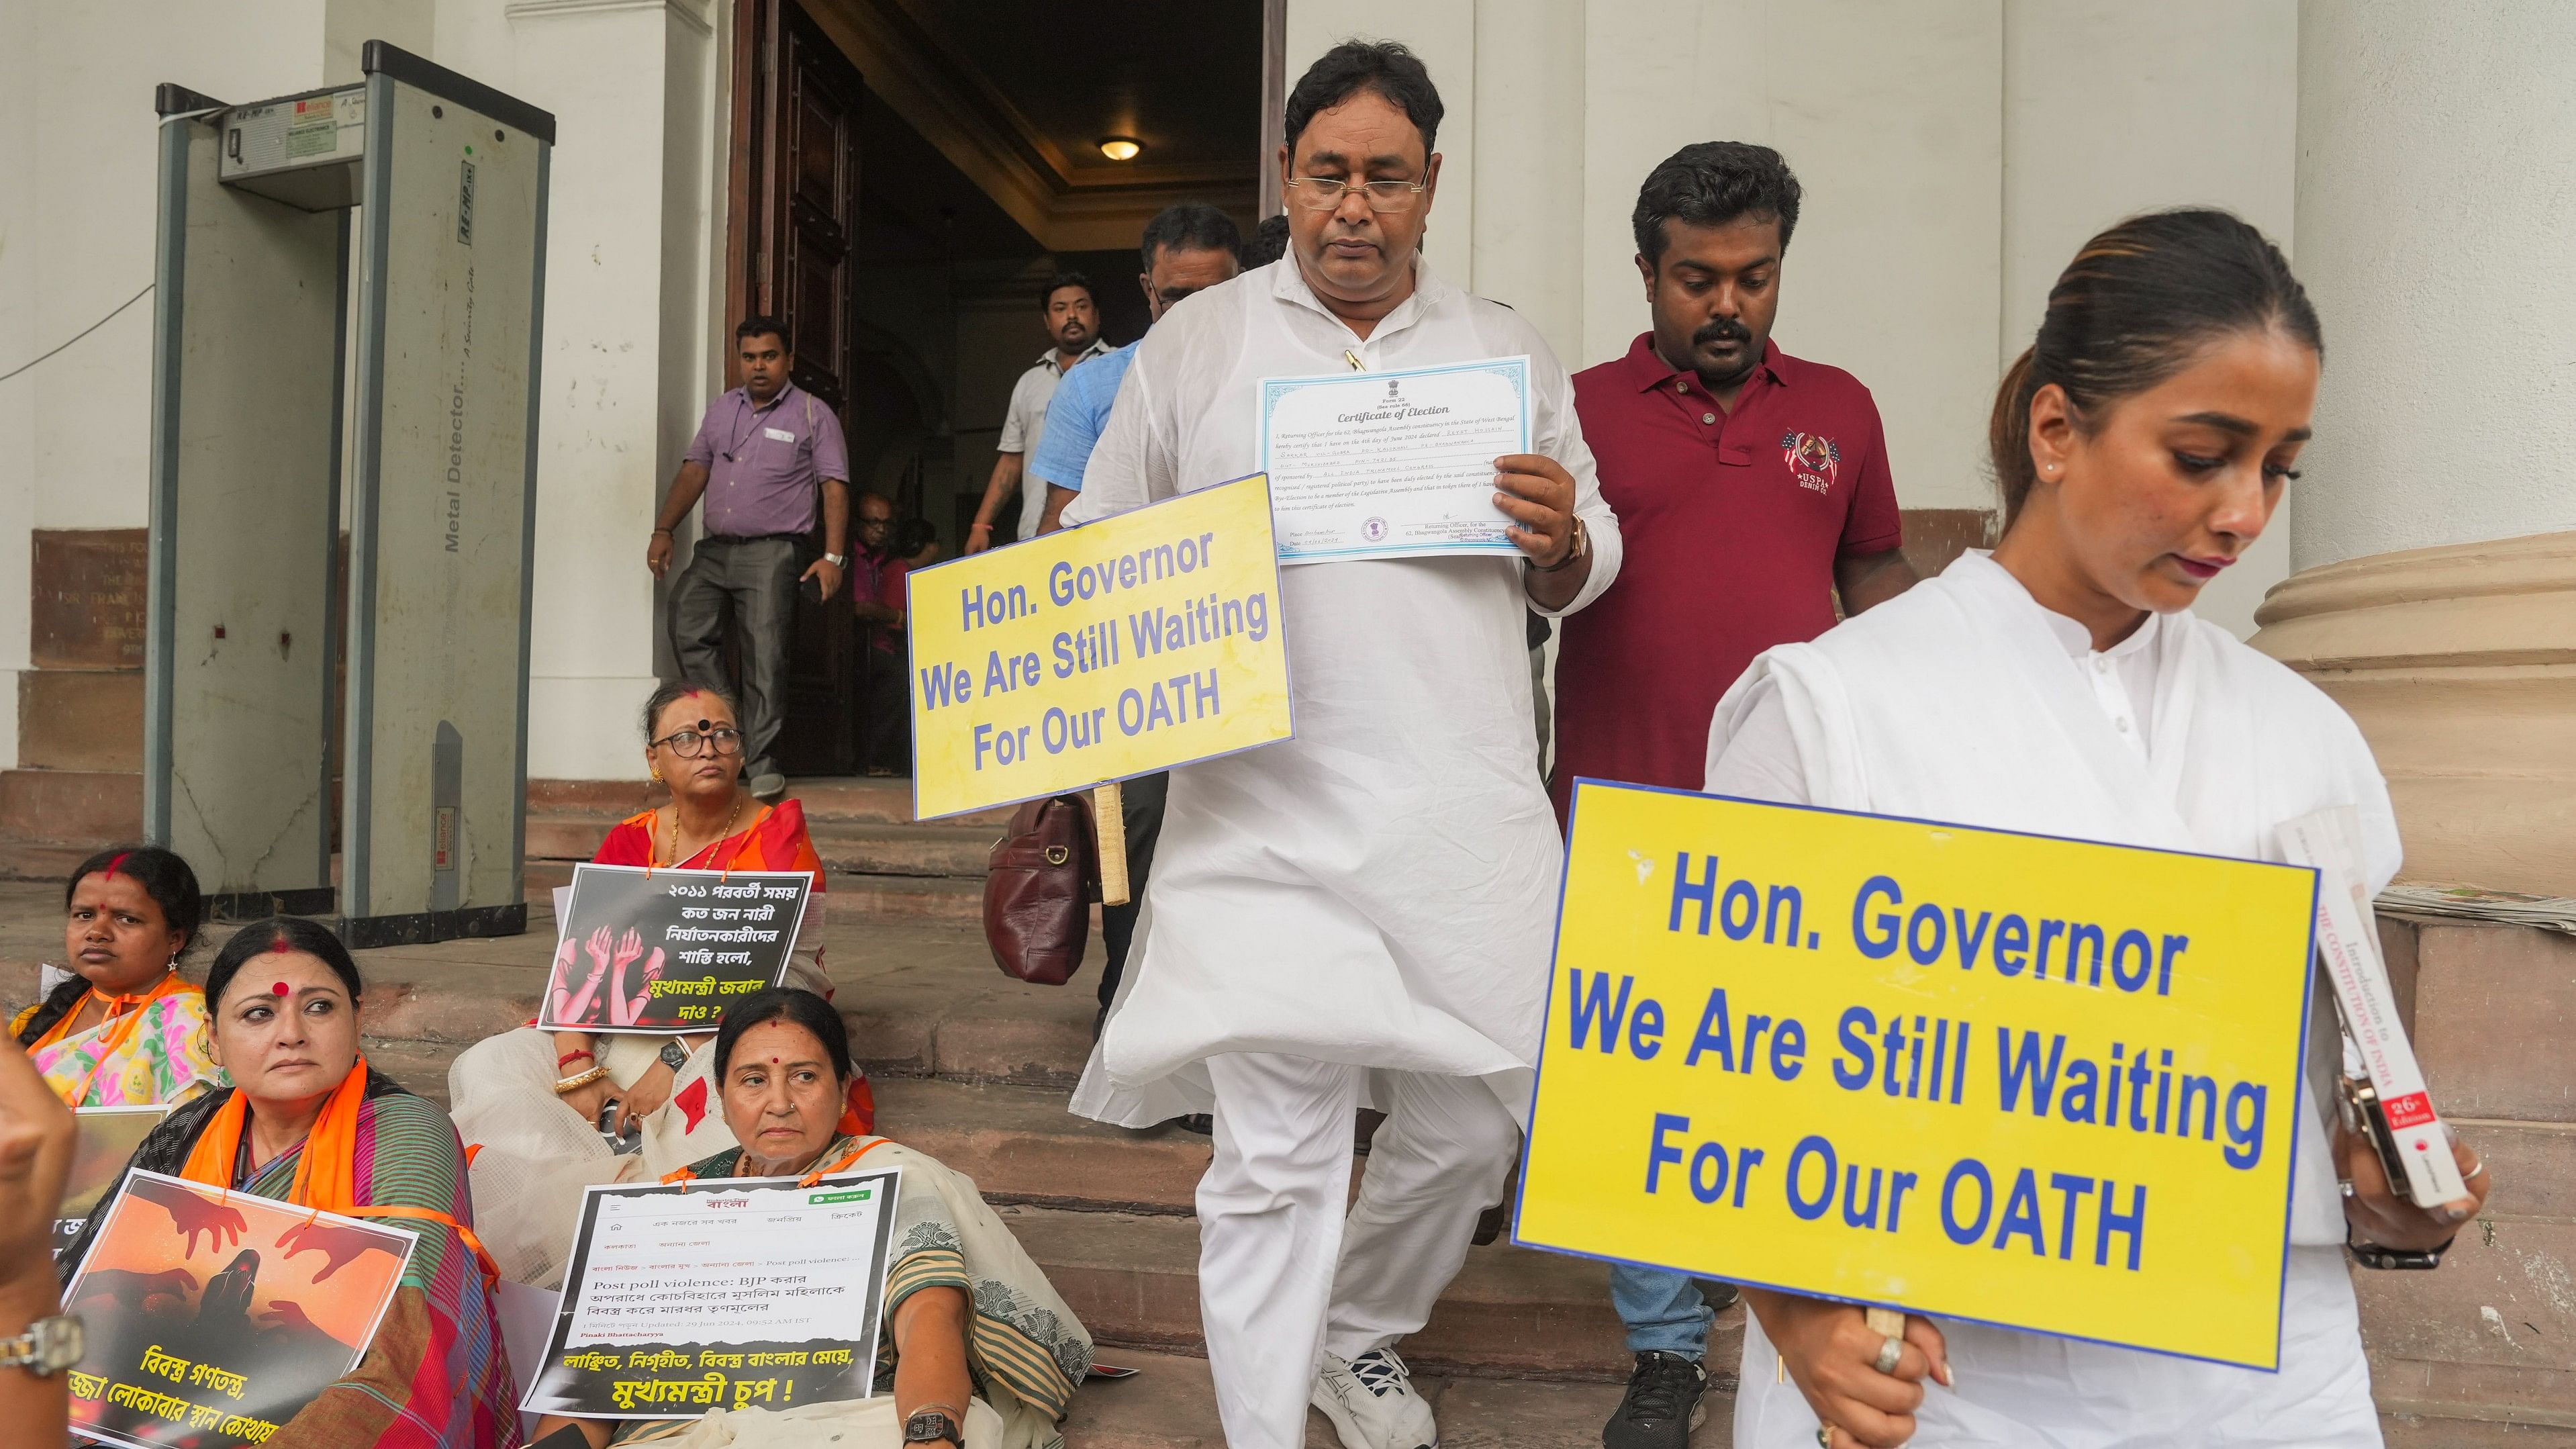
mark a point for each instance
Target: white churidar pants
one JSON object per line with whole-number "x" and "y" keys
{"x": 1281, "y": 1275}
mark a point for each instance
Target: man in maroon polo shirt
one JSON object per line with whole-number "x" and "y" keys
{"x": 1752, "y": 488}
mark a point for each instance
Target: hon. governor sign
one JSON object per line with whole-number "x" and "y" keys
{"x": 2033, "y": 1082}
{"x": 1099, "y": 653}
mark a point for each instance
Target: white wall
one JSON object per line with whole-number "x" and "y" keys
{"x": 2200, "y": 109}
{"x": 2436, "y": 199}
{"x": 77, "y": 219}
{"x": 633, "y": 242}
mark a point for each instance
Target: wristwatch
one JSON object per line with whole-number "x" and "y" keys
{"x": 49, "y": 1346}
{"x": 1578, "y": 545}
{"x": 837, "y": 560}
{"x": 2385, "y": 1259}
{"x": 931, "y": 1426}
{"x": 674, "y": 1055}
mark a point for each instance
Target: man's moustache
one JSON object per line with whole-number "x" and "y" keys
{"x": 1716, "y": 332}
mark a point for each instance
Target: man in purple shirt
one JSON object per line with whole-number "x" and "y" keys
{"x": 758, "y": 458}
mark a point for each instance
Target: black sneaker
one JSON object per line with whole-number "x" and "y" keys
{"x": 1662, "y": 1405}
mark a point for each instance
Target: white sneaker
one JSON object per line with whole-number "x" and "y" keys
{"x": 1371, "y": 1401}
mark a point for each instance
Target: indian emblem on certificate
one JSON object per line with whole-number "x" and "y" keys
{"x": 1392, "y": 464}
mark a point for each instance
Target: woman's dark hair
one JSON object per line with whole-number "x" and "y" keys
{"x": 164, "y": 877}
{"x": 1711, "y": 183}
{"x": 1062, "y": 280}
{"x": 913, "y": 535}
{"x": 2137, "y": 304}
{"x": 1190, "y": 226}
{"x": 282, "y": 934}
{"x": 675, "y": 691}
{"x": 785, "y": 1003}
{"x": 1383, "y": 66}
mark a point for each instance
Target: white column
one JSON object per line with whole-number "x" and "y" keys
{"x": 2436, "y": 530}
{"x": 629, "y": 358}
{"x": 2436, "y": 199}
{"x": 1530, "y": 105}
{"x": 2113, "y": 108}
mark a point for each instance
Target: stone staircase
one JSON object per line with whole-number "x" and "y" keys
{"x": 973, "y": 1068}
{"x": 879, "y": 860}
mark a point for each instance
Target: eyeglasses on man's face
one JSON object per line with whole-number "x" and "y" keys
{"x": 690, "y": 744}
{"x": 1323, "y": 193}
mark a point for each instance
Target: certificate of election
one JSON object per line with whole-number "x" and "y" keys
{"x": 1392, "y": 464}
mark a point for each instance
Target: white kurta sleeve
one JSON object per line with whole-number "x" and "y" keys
{"x": 1558, "y": 434}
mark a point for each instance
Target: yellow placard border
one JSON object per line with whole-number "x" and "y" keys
{"x": 1287, "y": 666}
{"x": 2290, "y": 1175}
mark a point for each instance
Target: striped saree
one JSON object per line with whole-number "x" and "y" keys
{"x": 1025, "y": 1349}
{"x": 434, "y": 1374}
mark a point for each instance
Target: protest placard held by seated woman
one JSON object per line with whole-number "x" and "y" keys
{"x": 310, "y": 1123}
{"x": 2062, "y": 687}
{"x": 530, "y": 1100}
{"x": 973, "y": 1330}
{"x": 122, "y": 1029}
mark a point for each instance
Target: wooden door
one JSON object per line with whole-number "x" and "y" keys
{"x": 795, "y": 209}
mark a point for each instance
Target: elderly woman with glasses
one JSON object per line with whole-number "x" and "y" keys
{"x": 530, "y": 1103}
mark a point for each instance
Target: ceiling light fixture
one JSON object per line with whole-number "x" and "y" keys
{"x": 1120, "y": 148}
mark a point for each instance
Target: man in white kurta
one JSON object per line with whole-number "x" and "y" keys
{"x": 1363, "y": 912}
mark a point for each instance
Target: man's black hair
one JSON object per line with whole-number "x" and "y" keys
{"x": 1191, "y": 226}
{"x": 1269, "y": 242}
{"x": 1062, "y": 280}
{"x": 1383, "y": 66}
{"x": 1710, "y": 184}
{"x": 759, "y": 326}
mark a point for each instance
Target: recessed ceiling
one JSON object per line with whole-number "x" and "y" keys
{"x": 1181, "y": 76}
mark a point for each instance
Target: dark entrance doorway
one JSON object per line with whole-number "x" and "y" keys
{"x": 795, "y": 201}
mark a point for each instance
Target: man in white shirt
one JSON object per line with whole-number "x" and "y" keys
{"x": 1072, "y": 319}
{"x": 1362, "y": 913}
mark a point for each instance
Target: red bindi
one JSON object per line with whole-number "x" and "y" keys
{"x": 278, "y": 990}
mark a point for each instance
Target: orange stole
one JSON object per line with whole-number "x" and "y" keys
{"x": 326, "y": 1178}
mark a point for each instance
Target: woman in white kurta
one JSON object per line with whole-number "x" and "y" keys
{"x": 2061, "y": 686}
{"x": 1366, "y": 906}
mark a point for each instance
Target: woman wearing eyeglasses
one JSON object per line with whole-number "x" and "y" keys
{"x": 532, "y": 1156}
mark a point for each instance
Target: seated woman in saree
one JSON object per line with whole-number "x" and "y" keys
{"x": 2062, "y": 687}
{"x": 122, "y": 1029}
{"x": 974, "y": 1333}
{"x": 530, "y": 1101}
{"x": 311, "y": 1123}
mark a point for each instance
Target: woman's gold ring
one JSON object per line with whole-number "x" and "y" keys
{"x": 1825, "y": 1435}
{"x": 2476, "y": 1171}
{"x": 1888, "y": 1353}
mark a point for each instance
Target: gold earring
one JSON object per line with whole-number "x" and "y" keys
{"x": 657, "y": 774}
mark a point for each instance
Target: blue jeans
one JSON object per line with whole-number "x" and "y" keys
{"x": 1663, "y": 1310}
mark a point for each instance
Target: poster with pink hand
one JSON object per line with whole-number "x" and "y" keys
{"x": 665, "y": 950}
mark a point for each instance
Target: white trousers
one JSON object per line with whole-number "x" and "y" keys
{"x": 1281, "y": 1277}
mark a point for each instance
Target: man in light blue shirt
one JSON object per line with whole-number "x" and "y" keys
{"x": 1188, "y": 248}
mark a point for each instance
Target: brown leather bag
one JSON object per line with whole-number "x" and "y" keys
{"x": 1040, "y": 881}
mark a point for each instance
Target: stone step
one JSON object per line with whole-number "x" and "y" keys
{"x": 846, "y": 847}
{"x": 80, "y": 719}
{"x": 1133, "y": 1279}
{"x": 1022, "y": 1146}
{"x": 1171, "y": 1404}
{"x": 100, "y": 806}
{"x": 854, "y": 798}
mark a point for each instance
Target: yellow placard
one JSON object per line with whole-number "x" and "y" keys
{"x": 2041, "y": 1083}
{"x": 1116, "y": 649}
